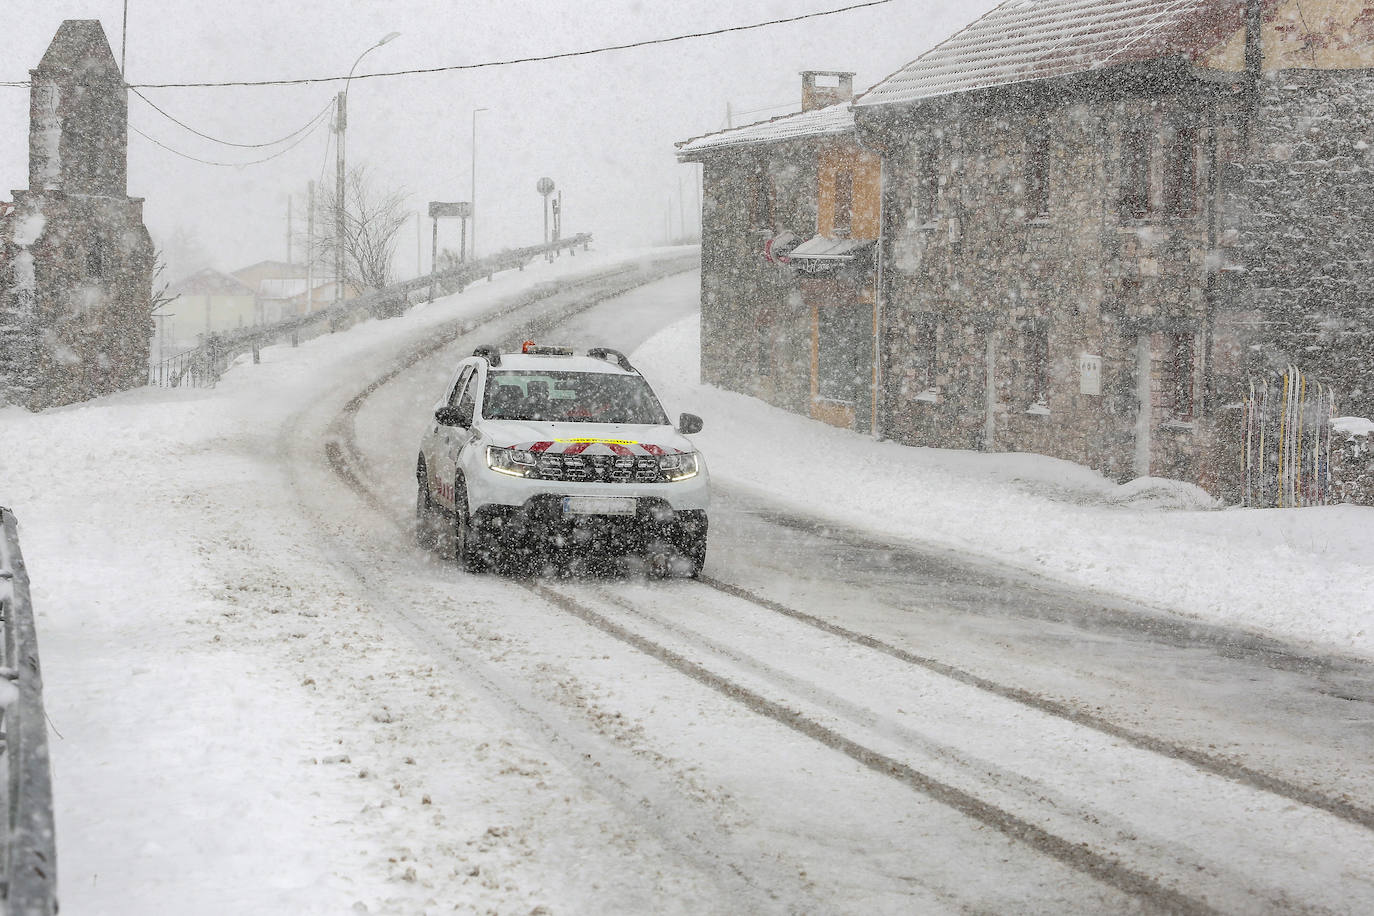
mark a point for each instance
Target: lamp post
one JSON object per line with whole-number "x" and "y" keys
{"x": 472, "y": 190}
{"x": 340, "y": 125}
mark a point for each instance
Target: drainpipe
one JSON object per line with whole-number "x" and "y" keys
{"x": 1254, "y": 50}
{"x": 879, "y": 297}
{"x": 1254, "y": 63}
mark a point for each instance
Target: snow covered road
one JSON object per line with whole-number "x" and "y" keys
{"x": 290, "y": 708}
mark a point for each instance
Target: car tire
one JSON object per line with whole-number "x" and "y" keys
{"x": 696, "y": 556}
{"x": 426, "y": 523}
{"x": 469, "y": 546}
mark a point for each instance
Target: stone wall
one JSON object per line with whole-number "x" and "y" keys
{"x": 756, "y": 331}
{"x": 1304, "y": 199}
{"x": 989, "y": 275}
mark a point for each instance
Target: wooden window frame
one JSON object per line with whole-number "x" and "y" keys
{"x": 928, "y": 349}
{"x": 762, "y": 209}
{"x": 842, "y": 207}
{"x": 1181, "y": 171}
{"x": 1135, "y": 198}
{"x": 927, "y": 181}
{"x": 1036, "y": 355}
{"x": 1037, "y": 178}
{"x": 1179, "y": 369}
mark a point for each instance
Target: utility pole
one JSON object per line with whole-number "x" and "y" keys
{"x": 310, "y": 247}
{"x": 472, "y": 190}
{"x": 681, "y": 211}
{"x": 288, "y": 230}
{"x": 340, "y": 123}
{"x": 433, "y": 256}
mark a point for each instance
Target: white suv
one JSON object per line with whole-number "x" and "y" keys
{"x": 545, "y": 455}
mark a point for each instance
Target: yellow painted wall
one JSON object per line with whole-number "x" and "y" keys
{"x": 866, "y": 167}
{"x": 1307, "y": 35}
{"x": 199, "y": 313}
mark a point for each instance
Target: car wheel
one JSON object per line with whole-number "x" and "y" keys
{"x": 467, "y": 541}
{"x": 696, "y": 556}
{"x": 426, "y": 528}
{"x": 690, "y": 540}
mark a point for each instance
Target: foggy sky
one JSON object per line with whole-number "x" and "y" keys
{"x": 602, "y": 127}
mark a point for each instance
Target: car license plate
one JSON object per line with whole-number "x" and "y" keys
{"x": 599, "y": 505}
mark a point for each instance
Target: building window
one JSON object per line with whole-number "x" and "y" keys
{"x": 842, "y": 340}
{"x": 1178, "y": 379}
{"x": 926, "y": 354}
{"x": 1180, "y": 172}
{"x": 927, "y": 181}
{"x": 95, "y": 259}
{"x": 1135, "y": 173}
{"x": 762, "y": 214}
{"x": 1037, "y": 175}
{"x": 1037, "y": 363}
{"x": 843, "y": 218}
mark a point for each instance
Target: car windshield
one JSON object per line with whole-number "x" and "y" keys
{"x": 573, "y": 397}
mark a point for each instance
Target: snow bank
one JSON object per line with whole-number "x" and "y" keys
{"x": 1300, "y": 574}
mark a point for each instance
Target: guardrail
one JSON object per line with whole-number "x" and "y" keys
{"x": 29, "y": 883}
{"x": 202, "y": 366}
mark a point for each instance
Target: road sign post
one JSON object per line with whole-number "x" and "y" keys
{"x": 545, "y": 188}
{"x": 438, "y": 210}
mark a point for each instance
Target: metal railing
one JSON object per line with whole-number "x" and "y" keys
{"x": 202, "y": 366}
{"x": 30, "y": 858}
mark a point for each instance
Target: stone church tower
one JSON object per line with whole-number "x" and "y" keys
{"x": 75, "y": 258}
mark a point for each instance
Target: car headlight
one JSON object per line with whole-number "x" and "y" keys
{"x": 513, "y": 461}
{"x": 678, "y": 467}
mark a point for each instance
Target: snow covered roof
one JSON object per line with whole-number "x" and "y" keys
{"x": 819, "y": 122}
{"x": 209, "y": 282}
{"x": 285, "y": 287}
{"x": 1025, "y": 40}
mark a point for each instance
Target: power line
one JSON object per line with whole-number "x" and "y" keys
{"x": 521, "y": 60}
{"x": 319, "y": 119}
{"x": 280, "y": 140}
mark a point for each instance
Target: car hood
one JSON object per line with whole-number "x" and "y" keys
{"x": 586, "y": 437}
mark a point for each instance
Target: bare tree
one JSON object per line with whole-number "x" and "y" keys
{"x": 372, "y": 217}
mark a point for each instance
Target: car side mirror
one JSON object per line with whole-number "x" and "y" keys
{"x": 688, "y": 423}
{"x": 453, "y": 416}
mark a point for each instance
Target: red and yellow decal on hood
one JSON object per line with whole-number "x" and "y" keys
{"x": 605, "y": 441}
{"x": 622, "y": 447}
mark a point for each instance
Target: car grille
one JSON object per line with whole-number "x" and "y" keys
{"x": 598, "y": 468}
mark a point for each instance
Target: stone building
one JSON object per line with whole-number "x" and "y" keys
{"x": 1098, "y": 220}
{"x": 789, "y": 288}
{"x": 75, "y": 258}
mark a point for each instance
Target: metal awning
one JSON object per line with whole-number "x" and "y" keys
{"x": 820, "y": 248}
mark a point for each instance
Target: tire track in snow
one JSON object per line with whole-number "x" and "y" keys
{"x": 1208, "y": 763}
{"x": 1076, "y": 855}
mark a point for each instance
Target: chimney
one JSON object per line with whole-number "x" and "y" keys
{"x": 826, "y": 87}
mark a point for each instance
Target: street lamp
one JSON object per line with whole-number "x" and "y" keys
{"x": 472, "y": 190}
{"x": 340, "y": 125}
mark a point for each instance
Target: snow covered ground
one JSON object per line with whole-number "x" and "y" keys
{"x": 235, "y": 731}
{"x": 1304, "y": 575}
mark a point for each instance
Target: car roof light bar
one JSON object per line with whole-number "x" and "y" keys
{"x": 532, "y": 349}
